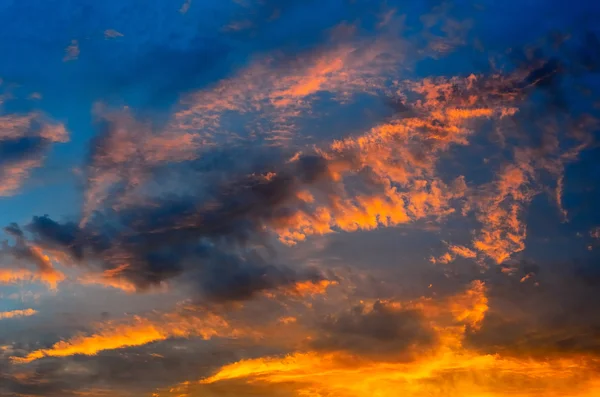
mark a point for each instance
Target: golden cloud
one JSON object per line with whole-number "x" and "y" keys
{"x": 450, "y": 369}
{"x": 139, "y": 332}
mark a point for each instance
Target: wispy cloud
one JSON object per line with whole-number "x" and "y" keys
{"x": 185, "y": 6}
{"x": 24, "y": 142}
{"x": 17, "y": 313}
{"x": 25, "y": 253}
{"x": 304, "y": 199}
{"x": 280, "y": 90}
{"x": 72, "y": 51}
{"x": 112, "y": 34}
{"x": 140, "y": 331}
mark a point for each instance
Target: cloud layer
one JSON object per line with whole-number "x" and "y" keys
{"x": 300, "y": 198}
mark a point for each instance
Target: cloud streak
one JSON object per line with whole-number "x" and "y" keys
{"x": 141, "y": 331}
{"x": 17, "y": 313}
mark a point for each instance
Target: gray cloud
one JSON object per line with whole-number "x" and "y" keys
{"x": 377, "y": 331}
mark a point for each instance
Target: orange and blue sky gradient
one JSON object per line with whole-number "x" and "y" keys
{"x": 299, "y": 198}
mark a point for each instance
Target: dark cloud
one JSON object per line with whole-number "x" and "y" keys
{"x": 379, "y": 331}
{"x": 133, "y": 371}
{"x": 543, "y": 310}
{"x": 24, "y": 142}
{"x": 44, "y": 380}
{"x": 230, "y": 279}
{"x": 208, "y": 236}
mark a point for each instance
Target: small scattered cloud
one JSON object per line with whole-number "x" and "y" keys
{"x": 185, "y": 6}
{"x": 112, "y": 34}
{"x": 72, "y": 51}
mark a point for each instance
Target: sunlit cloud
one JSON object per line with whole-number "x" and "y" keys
{"x": 110, "y": 278}
{"x": 9, "y": 276}
{"x": 24, "y": 142}
{"x": 300, "y": 199}
{"x": 448, "y": 369}
{"x": 28, "y": 253}
{"x": 17, "y": 313}
{"x": 140, "y": 331}
{"x": 284, "y": 90}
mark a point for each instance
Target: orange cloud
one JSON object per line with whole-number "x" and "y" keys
{"x": 110, "y": 278}
{"x": 46, "y": 271}
{"x": 451, "y": 369}
{"x": 111, "y": 336}
{"x": 282, "y": 92}
{"x": 25, "y": 253}
{"x": 10, "y": 276}
{"x": 17, "y": 313}
{"x": 455, "y": 250}
{"x": 308, "y": 288}
{"x": 49, "y": 276}
{"x": 400, "y": 158}
{"x": 462, "y": 251}
{"x": 503, "y": 231}
{"x": 451, "y": 375}
{"x": 33, "y": 125}
{"x": 471, "y": 306}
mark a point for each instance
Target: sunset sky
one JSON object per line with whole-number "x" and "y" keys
{"x": 298, "y": 198}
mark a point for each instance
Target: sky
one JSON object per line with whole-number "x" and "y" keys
{"x": 298, "y": 198}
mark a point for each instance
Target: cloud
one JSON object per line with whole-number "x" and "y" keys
{"x": 314, "y": 373}
{"x": 231, "y": 280}
{"x": 544, "y": 310}
{"x": 277, "y": 90}
{"x": 111, "y": 278}
{"x": 9, "y": 276}
{"x": 124, "y": 154}
{"x": 111, "y": 34}
{"x": 172, "y": 236}
{"x": 26, "y": 253}
{"x": 259, "y": 197}
{"x": 447, "y": 368}
{"x": 141, "y": 331}
{"x": 17, "y": 313}
{"x": 185, "y": 6}
{"x": 381, "y": 331}
{"x": 400, "y": 158}
{"x": 24, "y": 142}
{"x": 72, "y": 51}
{"x": 385, "y": 177}
{"x": 503, "y": 231}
